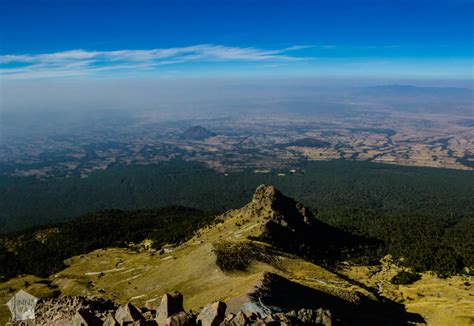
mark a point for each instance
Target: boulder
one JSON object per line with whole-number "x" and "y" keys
{"x": 151, "y": 305}
{"x": 236, "y": 320}
{"x": 212, "y": 315}
{"x": 110, "y": 321}
{"x": 85, "y": 318}
{"x": 300, "y": 317}
{"x": 312, "y": 316}
{"x": 277, "y": 319}
{"x": 324, "y": 317}
{"x": 128, "y": 313}
{"x": 171, "y": 304}
{"x": 149, "y": 314}
{"x": 228, "y": 318}
{"x": 179, "y": 319}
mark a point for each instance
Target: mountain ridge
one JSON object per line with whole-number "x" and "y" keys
{"x": 276, "y": 280}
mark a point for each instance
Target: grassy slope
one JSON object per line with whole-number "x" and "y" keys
{"x": 191, "y": 269}
{"x": 440, "y": 301}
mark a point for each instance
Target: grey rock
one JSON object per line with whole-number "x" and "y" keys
{"x": 128, "y": 313}
{"x": 110, "y": 321}
{"x": 179, "y": 319}
{"x": 237, "y": 320}
{"x": 212, "y": 314}
{"x": 85, "y": 318}
{"x": 171, "y": 304}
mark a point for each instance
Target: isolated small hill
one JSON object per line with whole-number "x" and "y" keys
{"x": 197, "y": 133}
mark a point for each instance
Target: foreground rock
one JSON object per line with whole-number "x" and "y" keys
{"x": 79, "y": 311}
{"x": 83, "y": 317}
{"x": 300, "y": 317}
{"x": 68, "y": 310}
{"x": 212, "y": 314}
{"x": 171, "y": 310}
{"x": 128, "y": 313}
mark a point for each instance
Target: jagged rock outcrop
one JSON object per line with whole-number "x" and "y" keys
{"x": 276, "y": 219}
{"x": 288, "y": 225}
{"x": 269, "y": 205}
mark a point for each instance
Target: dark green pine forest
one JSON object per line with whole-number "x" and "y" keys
{"x": 424, "y": 215}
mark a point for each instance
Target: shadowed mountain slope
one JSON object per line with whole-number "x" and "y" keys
{"x": 290, "y": 226}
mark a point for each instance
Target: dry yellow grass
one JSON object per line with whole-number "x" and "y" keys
{"x": 441, "y": 302}
{"x": 127, "y": 276}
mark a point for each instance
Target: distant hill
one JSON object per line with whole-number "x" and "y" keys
{"x": 197, "y": 133}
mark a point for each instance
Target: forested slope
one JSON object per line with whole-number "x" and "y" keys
{"x": 425, "y": 215}
{"x": 346, "y": 185}
{"x": 41, "y": 250}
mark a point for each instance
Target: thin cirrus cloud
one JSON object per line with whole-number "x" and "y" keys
{"x": 81, "y": 62}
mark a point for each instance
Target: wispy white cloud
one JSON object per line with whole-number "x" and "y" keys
{"x": 81, "y": 62}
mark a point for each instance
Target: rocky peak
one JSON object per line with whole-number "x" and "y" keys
{"x": 270, "y": 204}
{"x": 266, "y": 194}
{"x": 286, "y": 224}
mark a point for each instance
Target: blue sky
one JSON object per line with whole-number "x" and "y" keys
{"x": 380, "y": 38}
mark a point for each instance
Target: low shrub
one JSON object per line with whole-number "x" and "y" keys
{"x": 404, "y": 278}
{"x": 232, "y": 256}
